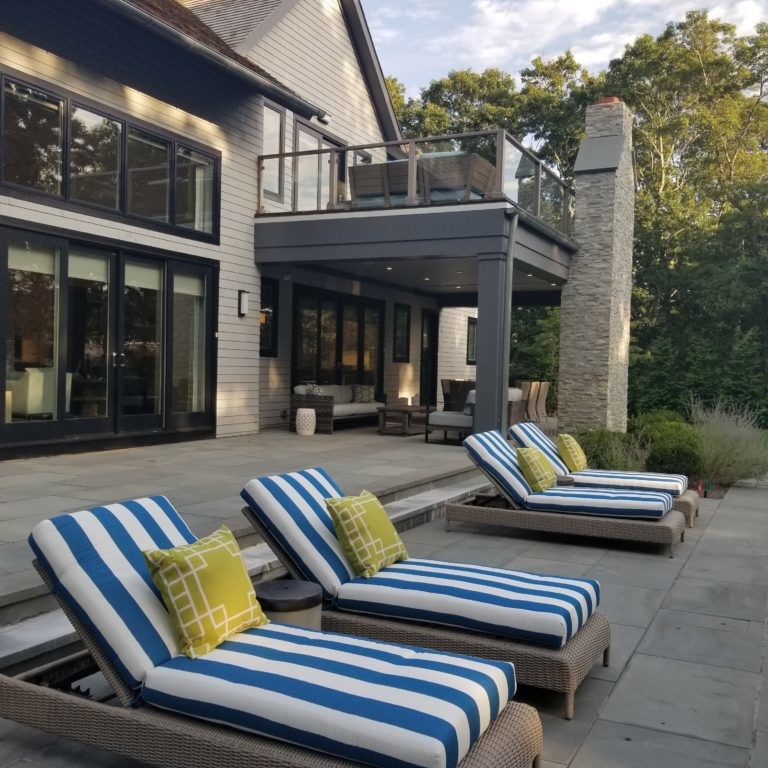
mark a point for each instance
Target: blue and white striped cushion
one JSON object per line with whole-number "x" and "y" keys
{"x": 494, "y": 455}
{"x": 374, "y": 703}
{"x": 593, "y": 501}
{"x": 528, "y": 606}
{"x": 528, "y": 435}
{"x": 95, "y": 562}
{"x": 631, "y": 481}
{"x": 292, "y": 508}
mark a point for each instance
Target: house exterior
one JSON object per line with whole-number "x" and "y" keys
{"x": 171, "y": 268}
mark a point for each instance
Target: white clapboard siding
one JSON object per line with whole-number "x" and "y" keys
{"x": 452, "y": 347}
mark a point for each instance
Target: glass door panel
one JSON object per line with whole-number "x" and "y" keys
{"x": 306, "y": 339}
{"x": 371, "y": 346}
{"x": 141, "y": 360}
{"x": 329, "y": 320}
{"x": 31, "y": 375}
{"x": 350, "y": 338}
{"x": 189, "y": 360}
{"x": 307, "y": 177}
{"x": 88, "y": 333}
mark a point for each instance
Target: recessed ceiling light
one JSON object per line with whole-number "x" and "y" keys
{"x": 529, "y": 275}
{"x": 460, "y": 272}
{"x": 458, "y": 286}
{"x": 389, "y": 269}
{"x": 554, "y": 285}
{"x": 426, "y": 278}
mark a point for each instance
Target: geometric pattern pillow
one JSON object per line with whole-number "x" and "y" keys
{"x": 571, "y": 453}
{"x": 367, "y": 536}
{"x": 363, "y": 393}
{"x": 536, "y": 469}
{"x": 207, "y": 592}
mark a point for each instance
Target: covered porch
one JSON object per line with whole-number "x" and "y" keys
{"x": 436, "y": 269}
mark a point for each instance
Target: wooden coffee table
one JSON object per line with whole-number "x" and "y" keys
{"x": 399, "y": 419}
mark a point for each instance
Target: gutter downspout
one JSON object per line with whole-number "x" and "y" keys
{"x": 272, "y": 90}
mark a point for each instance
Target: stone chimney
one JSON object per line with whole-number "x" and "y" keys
{"x": 595, "y": 302}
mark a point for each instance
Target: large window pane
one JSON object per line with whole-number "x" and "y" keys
{"x": 371, "y": 346}
{"x": 306, "y": 347}
{"x": 188, "y": 394}
{"x": 32, "y": 351}
{"x": 272, "y": 170}
{"x": 349, "y": 343}
{"x": 307, "y": 174}
{"x": 148, "y": 175}
{"x": 94, "y": 159}
{"x": 268, "y": 317}
{"x": 32, "y": 138}
{"x": 143, "y": 333}
{"x": 88, "y": 330}
{"x": 328, "y": 335}
{"x": 194, "y": 190}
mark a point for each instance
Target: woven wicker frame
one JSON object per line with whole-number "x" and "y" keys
{"x": 513, "y": 740}
{"x": 688, "y": 503}
{"x": 554, "y": 669}
{"x": 496, "y": 510}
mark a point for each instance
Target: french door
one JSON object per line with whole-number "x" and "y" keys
{"x": 337, "y": 339}
{"x": 101, "y": 341}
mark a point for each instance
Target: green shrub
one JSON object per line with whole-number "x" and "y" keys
{"x": 613, "y": 450}
{"x": 732, "y": 445}
{"x": 645, "y": 422}
{"x": 676, "y": 448}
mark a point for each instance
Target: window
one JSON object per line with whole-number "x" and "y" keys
{"x": 194, "y": 190}
{"x": 268, "y": 317}
{"x": 471, "y": 341}
{"x": 106, "y": 162}
{"x": 273, "y": 144}
{"x": 94, "y": 158}
{"x": 32, "y": 138}
{"x": 401, "y": 337}
{"x": 312, "y": 175}
{"x": 149, "y": 163}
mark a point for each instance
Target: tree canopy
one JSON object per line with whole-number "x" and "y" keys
{"x": 699, "y": 93}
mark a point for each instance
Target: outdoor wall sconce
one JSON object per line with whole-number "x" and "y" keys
{"x": 242, "y": 303}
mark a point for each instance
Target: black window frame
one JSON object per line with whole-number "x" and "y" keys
{"x": 273, "y": 284}
{"x": 471, "y": 353}
{"x": 278, "y": 196}
{"x": 65, "y": 201}
{"x": 404, "y": 357}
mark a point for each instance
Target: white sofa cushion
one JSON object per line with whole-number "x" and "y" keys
{"x": 450, "y": 420}
{"x": 344, "y": 410}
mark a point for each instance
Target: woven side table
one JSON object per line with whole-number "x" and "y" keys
{"x": 289, "y": 601}
{"x": 306, "y": 421}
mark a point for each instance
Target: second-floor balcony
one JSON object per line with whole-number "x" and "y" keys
{"x": 466, "y": 168}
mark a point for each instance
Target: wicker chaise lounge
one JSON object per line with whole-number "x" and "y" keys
{"x": 327, "y": 701}
{"x": 528, "y": 435}
{"x": 642, "y": 516}
{"x": 488, "y": 612}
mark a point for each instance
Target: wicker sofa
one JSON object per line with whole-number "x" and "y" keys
{"x": 334, "y": 404}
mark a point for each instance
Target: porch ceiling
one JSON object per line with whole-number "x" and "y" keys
{"x": 431, "y": 251}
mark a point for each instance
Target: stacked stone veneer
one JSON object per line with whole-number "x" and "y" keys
{"x": 595, "y": 306}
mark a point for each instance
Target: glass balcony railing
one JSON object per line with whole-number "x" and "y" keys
{"x": 439, "y": 170}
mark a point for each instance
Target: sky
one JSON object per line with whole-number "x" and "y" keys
{"x": 422, "y": 40}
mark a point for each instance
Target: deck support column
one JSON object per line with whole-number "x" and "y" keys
{"x": 494, "y": 312}
{"x": 595, "y": 302}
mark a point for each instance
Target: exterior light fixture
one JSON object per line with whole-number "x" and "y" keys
{"x": 389, "y": 269}
{"x": 242, "y": 303}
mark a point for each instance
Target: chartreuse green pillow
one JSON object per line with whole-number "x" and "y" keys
{"x": 536, "y": 468}
{"x": 571, "y": 453}
{"x": 365, "y": 532}
{"x": 207, "y": 592}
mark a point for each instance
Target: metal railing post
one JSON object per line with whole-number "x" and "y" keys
{"x": 537, "y": 191}
{"x": 333, "y": 178}
{"x": 412, "y": 198}
{"x": 501, "y": 158}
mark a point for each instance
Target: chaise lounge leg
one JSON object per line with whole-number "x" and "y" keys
{"x": 447, "y": 523}
{"x": 569, "y": 704}
{"x": 671, "y": 550}
{"x": 607, "y": 656}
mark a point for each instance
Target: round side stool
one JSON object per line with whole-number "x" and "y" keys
{"x": 288, "y": 601}
{"x": 306, "y": 421}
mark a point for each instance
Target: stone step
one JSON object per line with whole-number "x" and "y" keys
{"x": 33, "y": 639}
